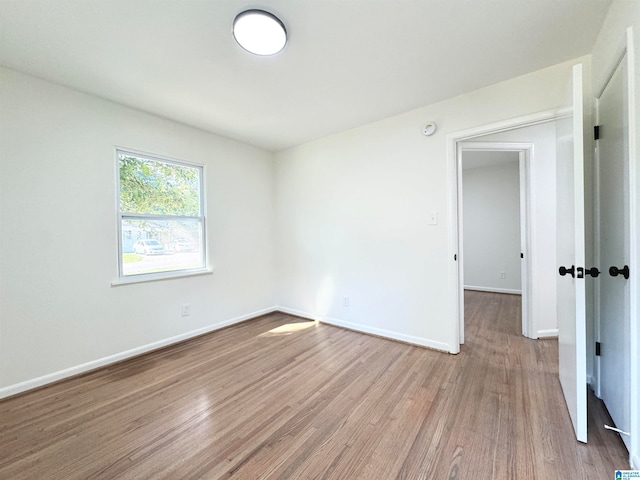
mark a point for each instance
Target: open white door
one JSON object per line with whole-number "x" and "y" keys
{"x": 571, "y": 260}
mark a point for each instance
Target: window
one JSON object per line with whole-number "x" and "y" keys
{"x": 161, "y": 217}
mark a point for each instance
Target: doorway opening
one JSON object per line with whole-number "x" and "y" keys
{"x": 539, "y": 129}
{"x": 494, "y": 222}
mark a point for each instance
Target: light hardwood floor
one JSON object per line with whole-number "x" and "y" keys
{"x": 279, "y": 397}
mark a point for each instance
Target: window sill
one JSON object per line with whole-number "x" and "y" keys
{"x": 154, "y": 277}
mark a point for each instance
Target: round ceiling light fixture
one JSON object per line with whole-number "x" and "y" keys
{"x": 259, "y": 32}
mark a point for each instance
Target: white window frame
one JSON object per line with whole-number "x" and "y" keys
{"x": 121, "y": 216}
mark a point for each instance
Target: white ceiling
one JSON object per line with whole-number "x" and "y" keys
{"x": 347, "y": 63}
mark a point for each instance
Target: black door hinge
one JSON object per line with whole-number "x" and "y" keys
{"x": 596, "y": 132}
{"x": 597, "y": 349}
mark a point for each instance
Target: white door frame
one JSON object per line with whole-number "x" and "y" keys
{"x": 525, "y": 154}
{"x": 453, "y": 139}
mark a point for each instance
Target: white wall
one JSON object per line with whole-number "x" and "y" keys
{"x": 353, "y": 214}
{"x": 491, "y": 216}
{"x": 348, "y": 216}
{"x": 606, "y": 52}
{"x": 58, "y": 244}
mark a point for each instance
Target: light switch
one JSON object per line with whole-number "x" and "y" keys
{"x": 433, "y": 218}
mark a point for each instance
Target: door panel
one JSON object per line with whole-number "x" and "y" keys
{"x": 613, "y": 154}
{"x": 571, "y": 255}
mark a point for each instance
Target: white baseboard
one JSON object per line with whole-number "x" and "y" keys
{"x": 493, "y": 290}
{"x": 101, "y": 362}
{"x": 590, "y": 381}
{"x": 551, "y": 332}
{"x": 358, "y": 327}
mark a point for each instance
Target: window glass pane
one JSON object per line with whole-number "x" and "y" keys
{"x": 149, "y": 186}
{"x": 161, "y": 245}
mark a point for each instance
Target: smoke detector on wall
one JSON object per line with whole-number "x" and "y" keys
{"x": 429, "y": 129}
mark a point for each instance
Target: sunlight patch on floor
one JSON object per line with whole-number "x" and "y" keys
{"x": 289, "y": 328}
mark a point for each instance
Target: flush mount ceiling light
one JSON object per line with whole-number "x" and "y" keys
{"x": 259, "y": 32}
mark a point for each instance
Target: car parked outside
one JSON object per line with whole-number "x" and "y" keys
{"x": 148, "y": 247}
{"x": 181, "y": 245}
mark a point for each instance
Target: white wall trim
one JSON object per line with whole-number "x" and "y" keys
{"x": 589, "y": 380}
{"x": 634, "y": 252}
{"x": 101, "y": 362}
{"x": 493, "y": 290}
{"x": 511, "y": 124}
{"x": 155, "y": 277}
{"x": 551, "y": 332}
{"x": 358, "y": 327}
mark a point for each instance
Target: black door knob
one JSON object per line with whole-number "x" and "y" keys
{"x": 593, "y": 271}
{"x": 615, "y": 271}
{"x": 564, "y": 270}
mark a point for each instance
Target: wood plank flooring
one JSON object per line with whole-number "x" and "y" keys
{"x": 279, "y": 397}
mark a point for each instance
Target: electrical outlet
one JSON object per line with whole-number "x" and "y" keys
{"x": 186, "y": 310}
{"x": 502, "y": 275}
{"x": 345, "y": 301}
